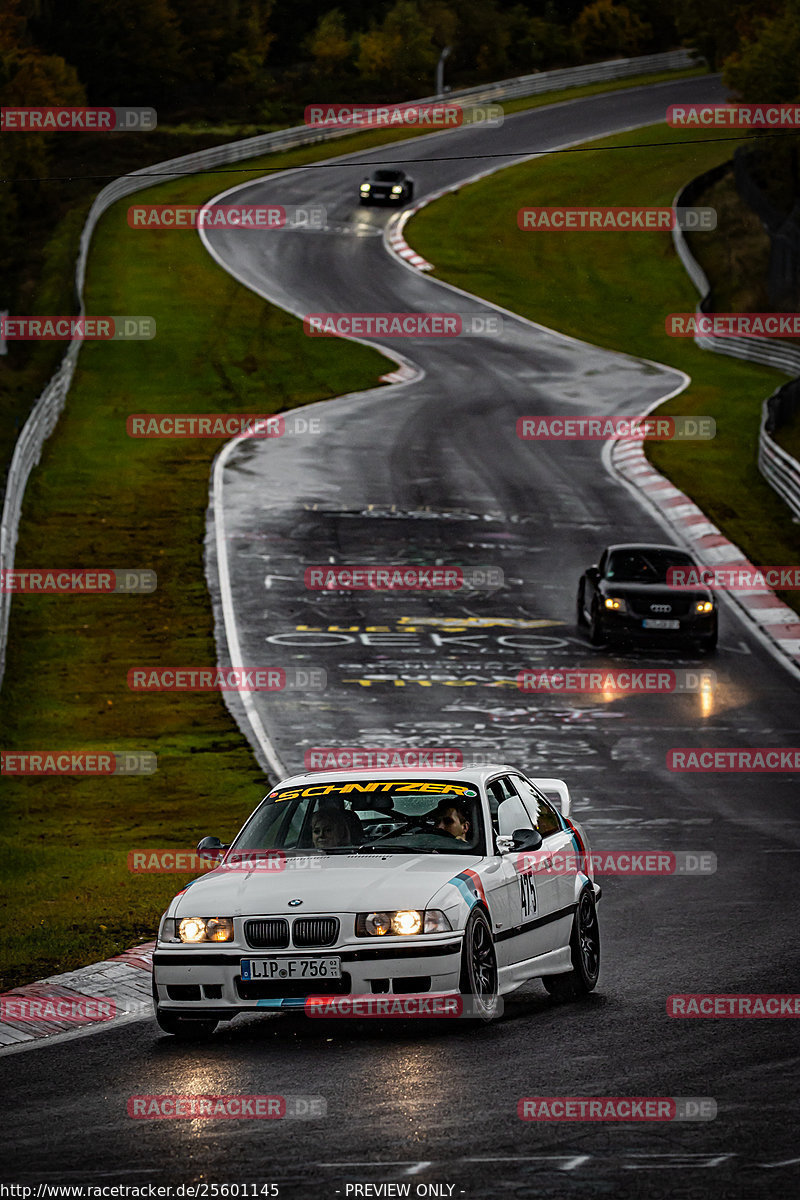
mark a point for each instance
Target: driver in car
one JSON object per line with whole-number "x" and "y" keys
{"x": 328, "y": 829}
{"x": 453, "y": 818}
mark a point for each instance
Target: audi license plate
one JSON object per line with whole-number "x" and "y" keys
{"x": 291, "y": 968}
{"x": 650, "y": 623}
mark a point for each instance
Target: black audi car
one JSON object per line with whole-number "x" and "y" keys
{"x": 628, "y": 595}
{"x": 386, "y": 187}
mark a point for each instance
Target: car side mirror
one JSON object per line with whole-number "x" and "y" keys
{"x": 592, "y": 573}
{"x": 527, "y": 839}
{"x": 211, "y": 848}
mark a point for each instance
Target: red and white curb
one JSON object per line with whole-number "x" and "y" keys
{"x": 123, "y": 983}
{"x": 405, "y": 373}
{"x": 774, "y": 620}
{"x": 398, "y": 244}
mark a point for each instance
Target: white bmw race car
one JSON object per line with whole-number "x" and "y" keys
{"x": 370, "y": 884}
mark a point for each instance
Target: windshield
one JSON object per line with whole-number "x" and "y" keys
{"x": 346, "y": 817}
{"x": 644, "y": 566}
{"x": 388, "y": 176}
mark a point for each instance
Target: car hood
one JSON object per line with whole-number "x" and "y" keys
{"x": 340, "y": 883}
{"x": 657, "y": 593}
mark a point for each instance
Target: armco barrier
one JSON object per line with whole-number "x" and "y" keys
{"x": 781, "y": 471}
{"x": 47, "y": 409}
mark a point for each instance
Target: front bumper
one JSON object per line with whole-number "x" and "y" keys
{"x": 387, "y": 198}
{"x": 206, "y": 980}
{"x": 629, "y": 625}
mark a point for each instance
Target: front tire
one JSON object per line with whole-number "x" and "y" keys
{"x": 709, "y": 644}
{"x": 596, "y": 632}
{"x": 580, "y": 615}
{"x": 479, "y": 968}
{"x": 585, "y": 947}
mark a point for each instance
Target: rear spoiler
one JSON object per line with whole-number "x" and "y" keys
{"x": 555, "y": 789}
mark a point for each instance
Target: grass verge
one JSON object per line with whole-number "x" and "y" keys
{"x": 616, "y": 290}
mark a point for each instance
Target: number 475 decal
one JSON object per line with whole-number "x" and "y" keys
{"x": 527, "y": 891}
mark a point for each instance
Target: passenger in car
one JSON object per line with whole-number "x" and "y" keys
{"x": 329, "y": 828}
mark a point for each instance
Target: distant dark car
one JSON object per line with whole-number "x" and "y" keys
{"x": 386, "y": 187}
{"x": 627, "y": 596}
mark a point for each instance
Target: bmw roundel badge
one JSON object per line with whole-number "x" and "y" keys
{"x": 294, "y": 903}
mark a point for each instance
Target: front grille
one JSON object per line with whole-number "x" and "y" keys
{"x": 315, "y": 931}
{"x": 642, "y": 606}
{"x": 272, "y": 934}
{"x": 263, "y": 989}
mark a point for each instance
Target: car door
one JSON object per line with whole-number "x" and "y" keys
{"x": 529, "y": 887}
{"x": 506, "y": 883}
{"x": 555, "y": 878}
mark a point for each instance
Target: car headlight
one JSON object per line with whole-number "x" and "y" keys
{"x": 365, "y": 187}
{"x": 704, "y": 606}
{"x": 616, "y": 603}
{"x": 205, "y": 929}
{"x": 396, "y": 190}
{"x": 402, "y": 923}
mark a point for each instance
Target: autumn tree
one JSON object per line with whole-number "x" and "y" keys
{"x": 767, "y": 65}
{"x": 125, "y": 54}
{"x": 399, "y": 53}
{"x": 605, "y": 29}
{"x": 329, "y": 44}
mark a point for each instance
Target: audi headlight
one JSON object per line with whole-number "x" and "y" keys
{"x": 616, "y": 603}
{"x": 365, "y": 187}
{"x": 704, "y": 606}
{"x": 396, "y": 190}
{"x": 205, "y": 929}
{"x": 402, "y": 923}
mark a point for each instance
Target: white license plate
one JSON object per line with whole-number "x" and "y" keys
{"x": 649, "y": 623}
{"x": 277, "y": 969}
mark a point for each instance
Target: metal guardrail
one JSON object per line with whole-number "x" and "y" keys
{"x": 780, "y": 469}
{"x": 47, "y": 409}
{"x": 776, "y": 464}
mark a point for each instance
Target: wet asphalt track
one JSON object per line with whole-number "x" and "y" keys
{"x": 432, "y": 471}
